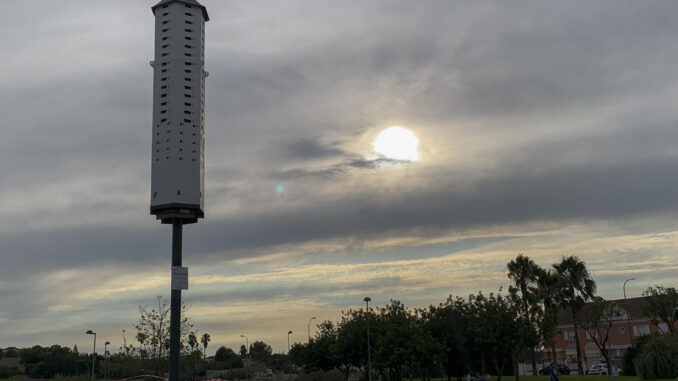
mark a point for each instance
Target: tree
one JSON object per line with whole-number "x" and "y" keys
{"x": 205, "y": 339}
{"x": 228, "y": 357}
{"x": 597, "y": 319}
{"x": 260, "y": 351}
{"x": 499, "y": 330}
{"x": 445, "y": 323}
{"x": 577, "y": 288}
{"x": 525, "y": 274}
{"x": 153, "y": 332}
{"x": 661, "y": 306}
{"x": 548, "y": 291}
{"x": 243, "y": 351}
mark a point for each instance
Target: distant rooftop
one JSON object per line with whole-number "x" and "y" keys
{"x": 635, "y": 309}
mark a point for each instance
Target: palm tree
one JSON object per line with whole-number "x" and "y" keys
{"x": 524, "y": 273}
{"x": 577, "y": 288}
{"x": 548, "y": 290}
{"x": 205, "y": 339}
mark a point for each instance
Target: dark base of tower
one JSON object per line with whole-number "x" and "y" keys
{"x": 188, "y": 213}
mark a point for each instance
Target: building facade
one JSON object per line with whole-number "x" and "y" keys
{"x": 628, "y": 324}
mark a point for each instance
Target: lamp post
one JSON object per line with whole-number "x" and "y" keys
{"x": 94, "y": 349}
{"x": 309, "y": 329}
{"x": 367, "y": 301}
{"x": 289, "y": 361}
{"x": 106, "y": 360}
{"x": 247, "y": 352}
{"x": 628, "y": 312}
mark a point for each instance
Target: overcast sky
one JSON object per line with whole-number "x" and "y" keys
{"x": 545, "y": 128}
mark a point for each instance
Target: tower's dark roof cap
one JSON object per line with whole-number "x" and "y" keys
{"x": 190, "y": 2}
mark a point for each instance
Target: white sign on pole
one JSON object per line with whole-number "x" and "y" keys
{"x": 179, "y": 278}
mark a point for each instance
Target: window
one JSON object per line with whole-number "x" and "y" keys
{"x": 163, "y": 111}
{"x": 163, "y": 87}
{"x": 164, "y": 54}
{"x": 187, "y": 95}
{"x": 187, "y": 104}
{"x": 164, "y": 30}
{"x": 164, "y": 64}
{"x": 188, "y": 54}
{"x": 641, "y": 330}
{"x": 187, "y": 79}
{"x": 162, "y": 120}
{"x": 165, "y": 14}
{"x": 164, "y": 22}
{"x": 187, "y": 38}
{"x": 188, "y": 30}
{"x": 590, "y": 337}
{"x": 187, "y": 22}
{"x": 189, "y": 14}
{"x": 163, "y": 95}
{"x": 569, "y": 335}
{"x": 622, "y": 330}
{"x": 163, "y": 79}
{"x": 188, "y": 46}
{"x": 188, "y": 63}
{"x": 663, "y": 327}
{"x": 163, "y": 71}
{"x": 187, "y": 112}
{"x": 187, "y": 71}
{"x": 187, "y": 120}
{"x": 164, "y": 38}
{"x": 187, "y": 87}
{"x": 165, "y": 46}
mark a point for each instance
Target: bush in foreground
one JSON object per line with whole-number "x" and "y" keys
{"x": 657, "y": 357}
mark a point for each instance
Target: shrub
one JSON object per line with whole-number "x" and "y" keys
{"x": 9, "y": 371}
{"x": 61, "y": 377}
{"x": 657, "y": 357}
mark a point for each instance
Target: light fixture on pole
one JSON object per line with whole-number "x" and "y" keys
{"x": 628, "y": 312}
{"x": 247, "y": 351}
{"x": 309, "y": 329}
{"x": 367, "y": 301}
{"x": 289, "y": 362}
{"x": 94, "y": 349}
{"x": 106, "y": 360}
{"x": 177, "y": 163}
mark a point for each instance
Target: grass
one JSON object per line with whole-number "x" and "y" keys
{"x": 572, "y": 377}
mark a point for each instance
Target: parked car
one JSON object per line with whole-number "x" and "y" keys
{"x": 601, "y": 369}
{"x": 562, "y": 369}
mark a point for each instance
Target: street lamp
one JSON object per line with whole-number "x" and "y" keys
{"x": 94, "y": 349}
{"x": 628, "y": 312}
{"x": 289, "y": 361}
{"x": 247, "y": 352}
{"x": 309, "y": 329}
{"x": 106, "y": 360}
{"x": 367, "y": 301}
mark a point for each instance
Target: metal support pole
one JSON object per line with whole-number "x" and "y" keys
{"x": 94, "y": 354}
{"x": 175, "y": 312}
{"x": 369, "y": 355}
{"x": 628, "y": 319}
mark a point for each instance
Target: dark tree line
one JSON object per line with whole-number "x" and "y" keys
{"x": 480, "y": 333}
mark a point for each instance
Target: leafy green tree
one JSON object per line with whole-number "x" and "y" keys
{"x": 260, "y": 351}
{"x": 228, "y": 357}
{"x": 2, "y": 353}
{"x": 349, "y": 348}
{"x": 243, "y": 351}
{"x": 446, "y": 323}
{"x": 661, "y": 305}
{"x": 525, "y": 275}
{"x": 658, "y": 357}
{"x": 577, "y": 288}
{"x": 499, "y": 330}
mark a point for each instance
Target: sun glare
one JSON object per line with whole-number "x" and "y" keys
{"x": 397, "y": 143}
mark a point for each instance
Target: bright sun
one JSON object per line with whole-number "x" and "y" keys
{"x": 397, "y": 143}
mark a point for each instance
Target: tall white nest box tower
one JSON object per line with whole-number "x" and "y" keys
{"x": 177, "y": 170}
